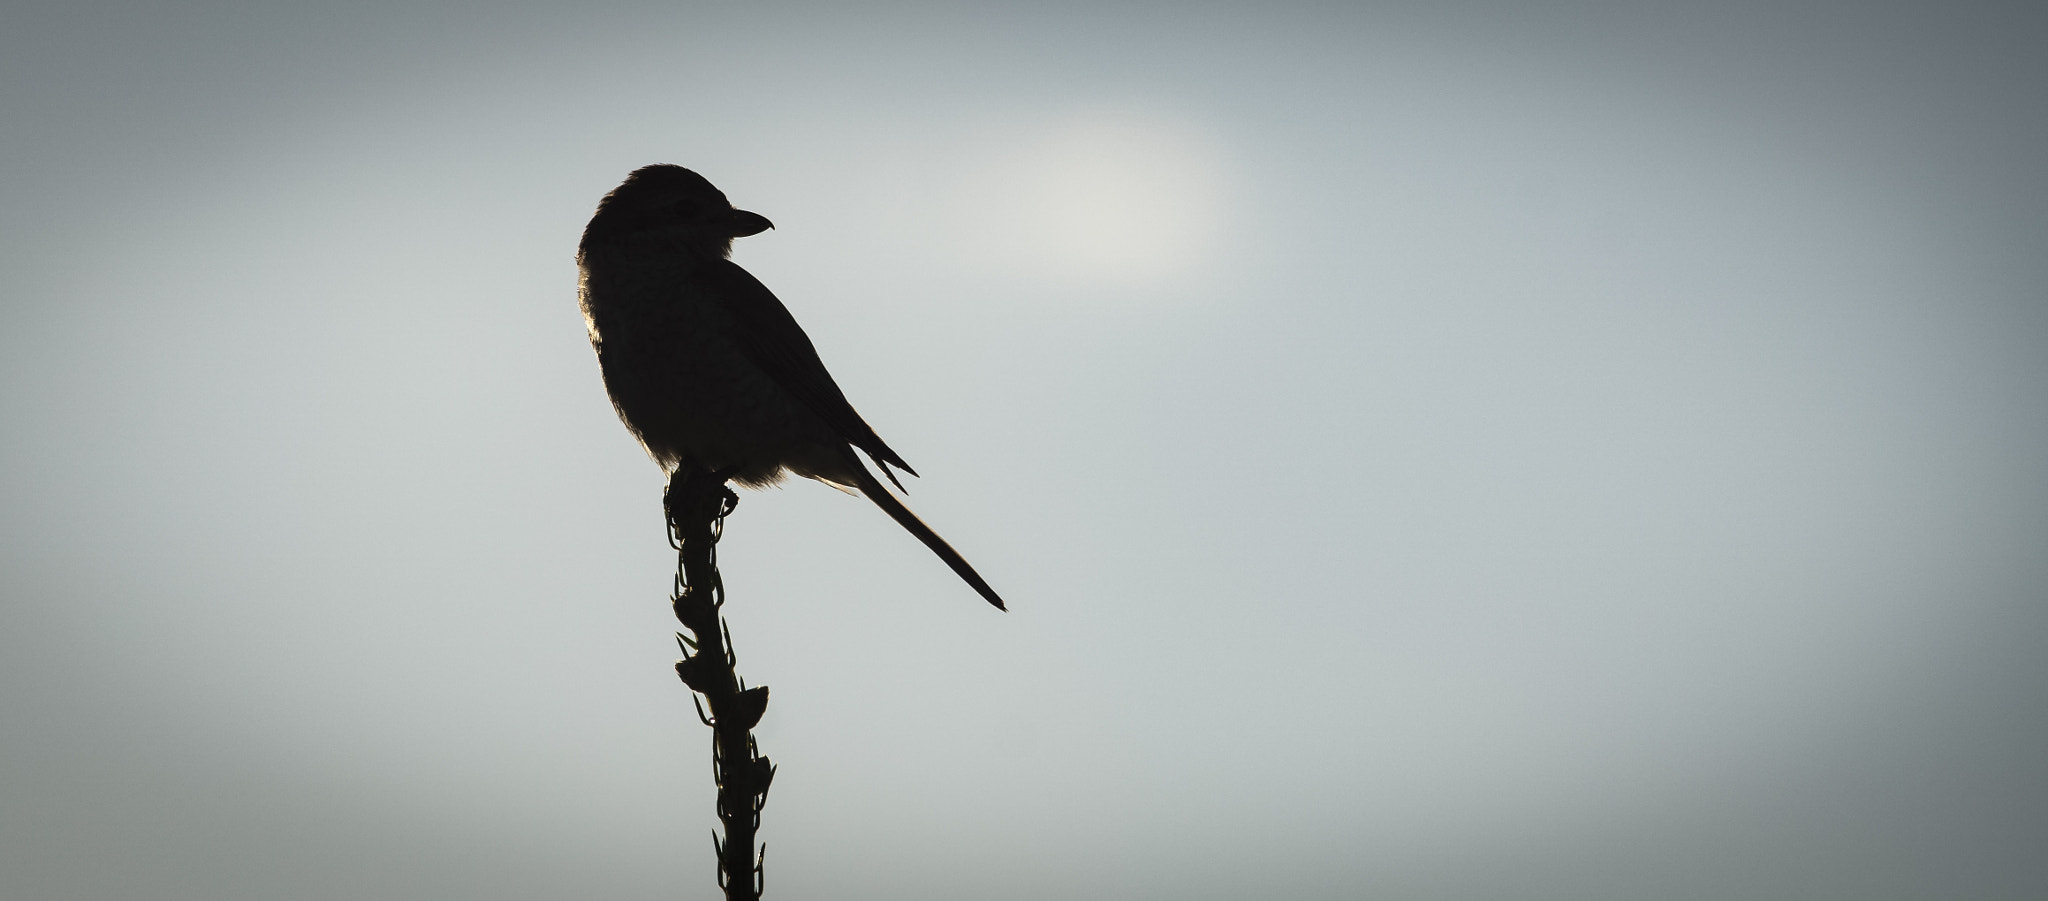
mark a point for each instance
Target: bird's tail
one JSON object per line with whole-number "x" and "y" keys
{"x": 901, "y": 514}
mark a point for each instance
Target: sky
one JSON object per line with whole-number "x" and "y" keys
{"x": 1431, "y": 451}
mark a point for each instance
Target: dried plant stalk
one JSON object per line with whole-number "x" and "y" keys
{"x": 697, "y": 503}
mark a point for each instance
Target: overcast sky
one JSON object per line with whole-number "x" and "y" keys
{"x": 1509, "y": 451}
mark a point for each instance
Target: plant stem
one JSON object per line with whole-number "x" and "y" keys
{"x": 697, "y": 503}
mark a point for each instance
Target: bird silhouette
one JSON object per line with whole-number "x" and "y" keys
{"x": 706, "y": 367}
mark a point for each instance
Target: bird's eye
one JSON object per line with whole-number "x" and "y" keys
{"x": 686, "y": 209}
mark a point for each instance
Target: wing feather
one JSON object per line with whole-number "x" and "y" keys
{"x": 771, "y": 339}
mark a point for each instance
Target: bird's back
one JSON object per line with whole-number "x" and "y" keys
{"x": 674, "y": 354}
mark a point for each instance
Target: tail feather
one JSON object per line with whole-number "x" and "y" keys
{"x": 901, "y": 514}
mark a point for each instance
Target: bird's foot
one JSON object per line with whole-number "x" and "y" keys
{"x": 697, "y": 494}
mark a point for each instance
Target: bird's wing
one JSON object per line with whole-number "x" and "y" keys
{"x": 770, "y": 337}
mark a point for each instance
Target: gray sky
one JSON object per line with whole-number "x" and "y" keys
{"x": 1442, "y": 451}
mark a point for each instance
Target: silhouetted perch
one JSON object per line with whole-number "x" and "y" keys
{"x": 696, "y": 504}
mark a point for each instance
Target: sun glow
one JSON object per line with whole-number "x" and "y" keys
{"x": 1103, "y": 197}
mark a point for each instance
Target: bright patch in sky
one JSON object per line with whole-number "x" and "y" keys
{"x": 1101, "y": 198}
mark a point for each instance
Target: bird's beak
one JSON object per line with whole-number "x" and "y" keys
{"x": 744, "y": 223}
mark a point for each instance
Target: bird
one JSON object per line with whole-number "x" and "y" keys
{"x": 703, "y": 363}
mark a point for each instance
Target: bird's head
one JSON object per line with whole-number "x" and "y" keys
{"x": 672, "y": 204}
